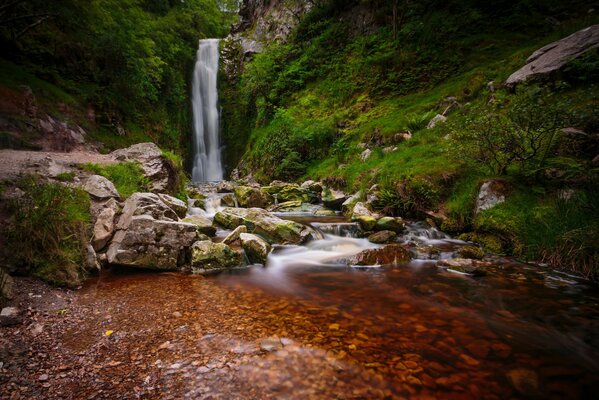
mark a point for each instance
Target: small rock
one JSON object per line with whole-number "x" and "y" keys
{"x": 234, "y": 236}
{"x": 436, "y": 120}
{"x": 177, "y": 314}
{"x": 10, "y": 316}
{"x": 382, "y": 237}
{"x": 473, "y": 252}
{"x": 271, "y": 344}
{"x": 43, "y": 378}
{"x": 365, "y": 154}
{"x": 525, "y": 381}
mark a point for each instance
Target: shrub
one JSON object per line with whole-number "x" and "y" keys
{"x": 409, "y": 197}
{"x": 47, "y": 236}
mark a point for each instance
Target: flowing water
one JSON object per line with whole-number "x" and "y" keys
{"x": 207, "y": 165}
{"x": 307, "y": 326}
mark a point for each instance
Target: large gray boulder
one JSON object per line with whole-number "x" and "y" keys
{"x": 204, "y": 224}
{"x": 555, "y": 55}
{"x": 103, "y": 228}
{"x": 149, "y": 235}
{"x": 178, "y": 206}
{"x": 155, "y": 166}
{"x": 100, "y": 188}
{"x": 333, "y": 199}
{"x": 255, "y": 248}
{"x": 248, "y": 196}
{"x": 491, "y": 193}
{"x": 263, "y": 223}
{"x": 207, "y": 256}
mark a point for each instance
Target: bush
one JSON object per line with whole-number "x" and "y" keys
{"x": 48, "y": 232}
{"x": 409, "y": 197}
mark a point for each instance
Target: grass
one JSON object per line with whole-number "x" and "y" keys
{"x": 128, "y": 177}
{"x": 48, "y": 233}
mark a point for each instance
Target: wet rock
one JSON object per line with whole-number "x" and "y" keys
{"x": 226, "y": 187}
{"x": 473, "y": 252}
{"x": 207, "y": 256}
{"x": 333, "y": 199}
{"x": 435, "y": 121}
{"x": 103, "y": 228}
{"x": 491, "y": 193}
{"x": 178, "y": 206}
{"x": 156, "y": 167}
{"x": 382, "y": 237}
{"x": 248, "y": 196}
{"x": 10, "y": 316}
{"x": 314, "y": 187}
{"x": 229, "y": 200}
{"x": 325, "y": 212}
{"x": 255, "y": 248}
{"x": 203, "y": 224}
{"x": 362, "y": 215}
{"x": 555, "y": 55}
{"x": 271, "y": 344}
{"x": 91, "y": 259}
{"x": 263, "y": 223}
{"x": 100, "y": 188}
{"x": 146, "y": 204}
{"x": 390, "y": 224}
{"x": 350, "y": 202}
{"x": 525, "y": 381}
{"x": 234, "y": 236}
{"x": 466, "y": 265}
{"x": 392, "y": 254}
{"x": 289, "y": 192}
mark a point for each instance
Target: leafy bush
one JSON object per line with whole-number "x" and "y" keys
{"x": 518, "y": 131}
{"x": 48, "y": 232}
{"x": 409, "y": 197}
{"x": 128, "y": 177}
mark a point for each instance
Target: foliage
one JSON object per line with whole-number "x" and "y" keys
{"x": 176, "y": 164}
{"x": 520, "y": 131}
{"x": 66, "y": 176}
{"x": 409, "y": 197}
{"x": 128, "y": 177}
{"x": 48, "y": 231}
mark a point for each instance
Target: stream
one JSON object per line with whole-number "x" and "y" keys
{"x": 307, "y": 326}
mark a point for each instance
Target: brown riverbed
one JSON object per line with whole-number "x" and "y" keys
{"x": 312, "y": 332}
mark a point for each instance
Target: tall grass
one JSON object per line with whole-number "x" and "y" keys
{"x": 128, "y": 177}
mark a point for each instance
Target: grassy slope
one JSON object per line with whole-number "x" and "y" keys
{"x": 526, "y": 225}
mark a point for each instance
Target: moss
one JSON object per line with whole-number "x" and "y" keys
{"x": 490, "y": 243}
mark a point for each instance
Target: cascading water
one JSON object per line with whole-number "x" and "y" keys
{"x": 207, "y": 164}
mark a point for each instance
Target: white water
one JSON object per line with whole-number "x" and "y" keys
{"x": 207, "y": 165}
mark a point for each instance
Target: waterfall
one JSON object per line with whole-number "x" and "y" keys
{"x": 207, "y": 164}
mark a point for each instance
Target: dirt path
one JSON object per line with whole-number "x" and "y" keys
{"x": 16, "y": 162}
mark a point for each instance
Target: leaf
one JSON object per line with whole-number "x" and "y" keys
{"x": 108, "y": 332}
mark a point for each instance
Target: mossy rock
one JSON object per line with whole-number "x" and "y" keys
{"x": 490, "y": 243}
{"x": 286, "y": 193}
{"x": 394, "y": 224}
{"x": 382, "y": 237}
{"x": 366, "y": 222}
{"x": 473, "y": 252}
{"x": 207, "y": 256}
{"x": 199, "y": 203}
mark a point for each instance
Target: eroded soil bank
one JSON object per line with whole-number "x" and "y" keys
{"x": 305, "y": 332}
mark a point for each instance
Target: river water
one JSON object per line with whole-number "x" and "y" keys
{"x": 307, "y": 326}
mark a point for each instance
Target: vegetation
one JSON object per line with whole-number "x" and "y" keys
{"x": 128, "y": 177}
{"x": 48, "y": 232}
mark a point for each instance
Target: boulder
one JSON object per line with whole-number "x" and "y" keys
{"x": 103, "y": 228}
{"x": 289, "y": 192}
{"x": 473, "y": 252}
{"x": 234, "y": 236}
{"x": 178, "y": 206}
{"x": 203, "y": 224}
{"x": 255, "y": 248}
{"x": 391, "y": 254}
{"x": 382, "y": 237}
{"x": 315, "y": 187}
{"x": 207, "y": 256}
{"x": 10, "y": 316}
{"x": 263, "y": 223}
{"x": 555, "y": 55}
{"x": 390, "y": 224}
{"x": 229, "y": 200}
{"x": 150, "y": 243}
{"x": 435, "y": 121}
{"x": 248, "y": 196}
{"x": 295, "y": 207}
{"x": 100, "y": 188}
{"x": 362, "y": 215}
{"x": 156, "y": 167}
{"x": 333, "y": 199}
{"x": 491, "y": 193}
{"x": 226, "y": 187}
{"x": 91, "y": 259}
{"x": 146, "y": 204}
{"x": 350, "y": 202}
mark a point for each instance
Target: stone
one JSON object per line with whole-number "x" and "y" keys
{"x": 91, "y": 259}
{"x": 525, "y": 381}
{"x": 6, "y": 285}
{"x": 226, "y": 187}
{"x": 207, "y": 256}
{"x": 234, "y": 236}
{"x": 271, "y": 344}
{"x": 466, "y": 266}
{"x": 312, "y": 186}
{"x": 595, "y": 161}
{"x": 146, "y": 204}
{"x": 178, "y": 206}
{"x": 100, "y": 188}
{"x": 295, "y": 207}
{"x": 10, "y": 316}
{"x": 491, "y": 193}
{"x": 43, "y": 378}
{"x": 103, "y": 228}
{"x": 394, "y": 224}
{"x": 156, "y": 167}
{"x": 203, "y": 224}
{"x": 263, "y": 223}
{"x": 229, "y": 200}
{"x": 382, "y": 237}
{"x": 362, "y": 215}
{"x": 248, "y": 196}
{"x": 435, "y": 121}
{"x": 256, "y": 248}
{"x": 350, "y": 202}
{"x": 333, "y": 199}
{"x": 555, "y": 55}
{"x": 392, "y": 254}
{"x": 472, "y": 252}
{"x": 289, "y": 192}
{"x": 145, "y": 242}
{"x": 365, "y": 155}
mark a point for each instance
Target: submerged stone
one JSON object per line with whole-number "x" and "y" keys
{"x": 207, "y": 256}
{"x": 392, "y": 254}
